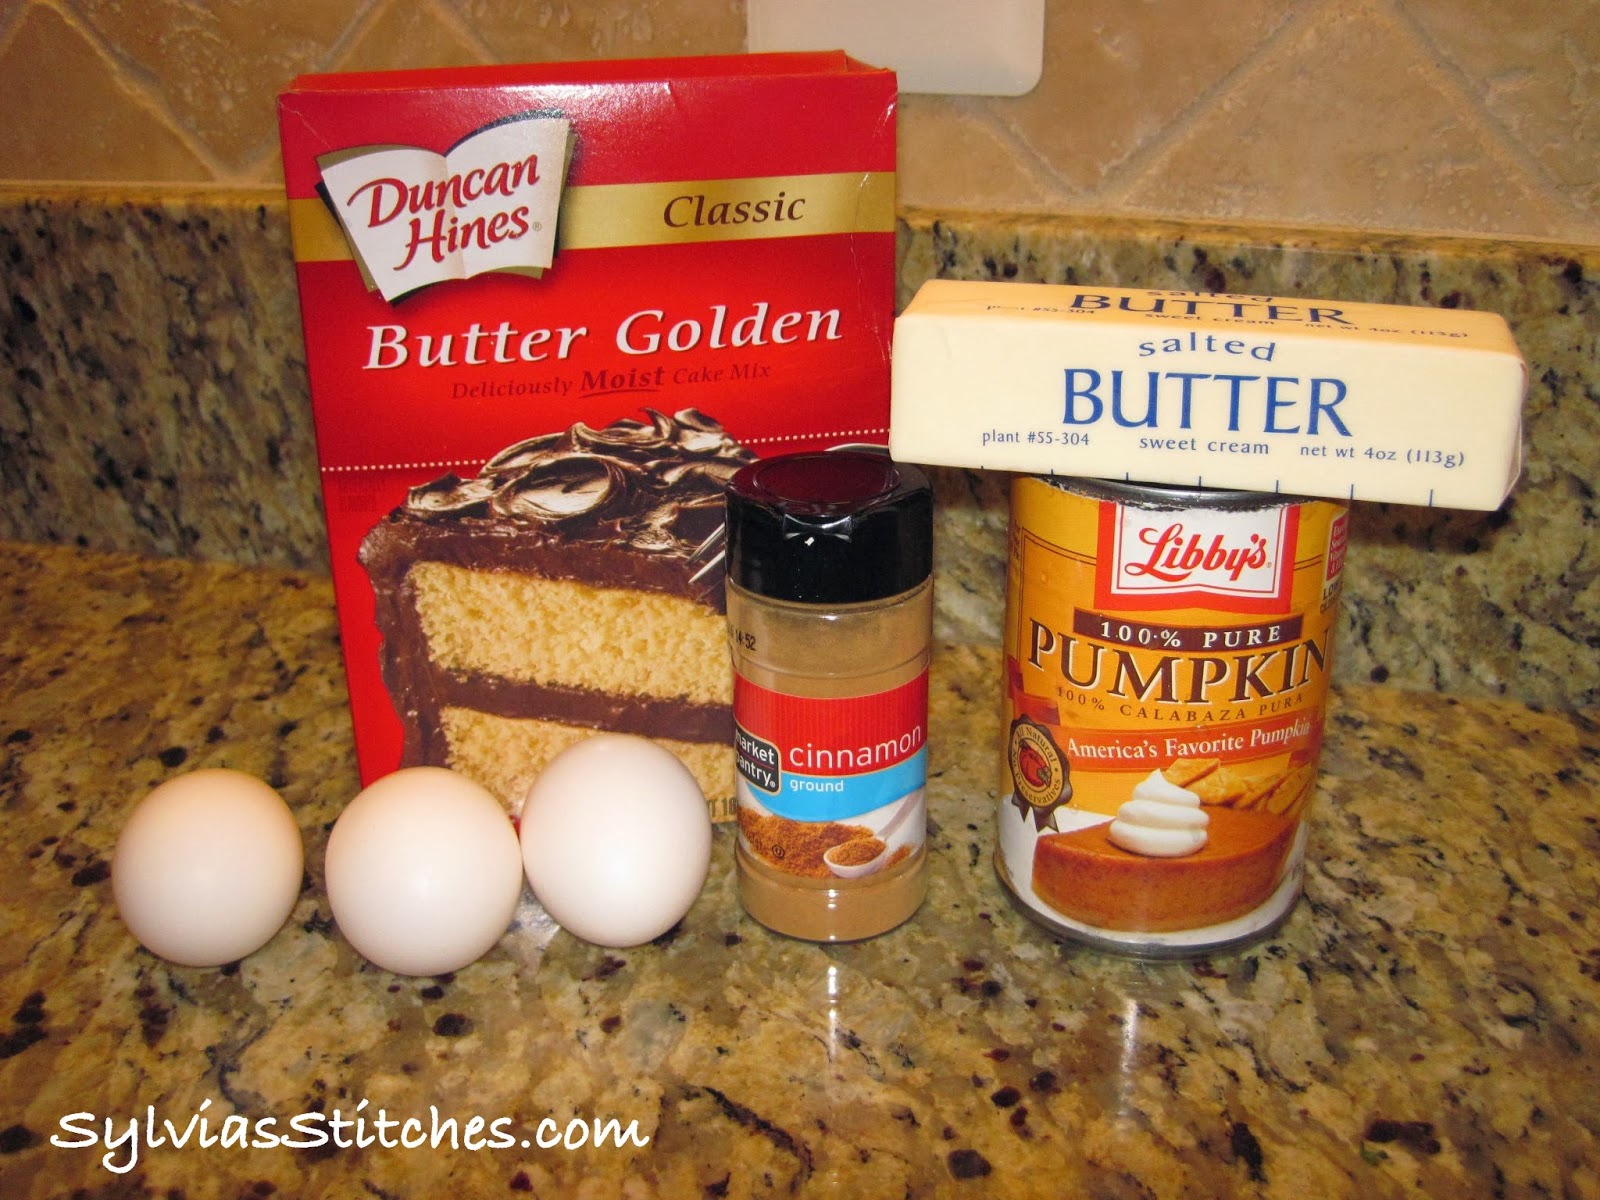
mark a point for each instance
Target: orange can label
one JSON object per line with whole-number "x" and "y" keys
{"x": 1167, "y": 654}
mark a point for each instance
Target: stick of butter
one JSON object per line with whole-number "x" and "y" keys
{"x": 1311, "y": 397}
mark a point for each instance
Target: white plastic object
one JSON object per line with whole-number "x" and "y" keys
{"x": 953, "y": 47}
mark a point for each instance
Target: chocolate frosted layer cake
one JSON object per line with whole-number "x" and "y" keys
{"x": 559, "y": 593}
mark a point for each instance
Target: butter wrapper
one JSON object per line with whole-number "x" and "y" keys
{"x": 1309, "y": 397}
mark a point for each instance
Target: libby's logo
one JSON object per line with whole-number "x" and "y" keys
{"x": 1176, "y": 554}
{"x": 414, "y": 217}
{"x": 1237, "y": 560}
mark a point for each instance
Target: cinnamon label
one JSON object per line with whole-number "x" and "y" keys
{"x": 819, "y": 775}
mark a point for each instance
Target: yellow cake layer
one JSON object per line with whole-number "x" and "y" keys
{"x": 557, "y": 632}
{"x": 506, "y": 754}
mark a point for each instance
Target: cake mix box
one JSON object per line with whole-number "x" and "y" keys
{"x": 549, "y": 310}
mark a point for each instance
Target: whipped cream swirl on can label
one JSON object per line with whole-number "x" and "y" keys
{"x": 1162, "y": 820}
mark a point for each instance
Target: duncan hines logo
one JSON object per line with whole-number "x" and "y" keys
{"x": 414, "y": 217}
{"x": 1165, "y": 556}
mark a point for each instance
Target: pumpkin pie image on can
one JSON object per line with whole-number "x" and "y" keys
{"x": 1167, "y": 653}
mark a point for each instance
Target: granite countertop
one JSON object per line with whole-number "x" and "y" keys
{"x": 1427, "y": 1021}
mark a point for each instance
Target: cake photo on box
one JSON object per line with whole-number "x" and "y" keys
{"x": 562, "y": 591}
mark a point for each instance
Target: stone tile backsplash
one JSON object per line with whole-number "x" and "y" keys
{"x": 1467, "y": 117}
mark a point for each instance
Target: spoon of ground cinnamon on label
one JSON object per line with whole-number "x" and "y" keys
{"x": 863, "y": 855}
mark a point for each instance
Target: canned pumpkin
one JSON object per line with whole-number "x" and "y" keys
{"x": 1167, "y": 654}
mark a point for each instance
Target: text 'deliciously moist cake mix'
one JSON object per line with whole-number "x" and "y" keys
{"x": 1167, "y": 656}
{"x": 549, "y": 310}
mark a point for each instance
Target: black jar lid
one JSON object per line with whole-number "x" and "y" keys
{"x": 833, "y": 527}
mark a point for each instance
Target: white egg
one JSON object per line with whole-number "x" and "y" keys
{"x": 616, "y": 839}
{"x": 207, "y": 867}
{"x": 423, "y": 871}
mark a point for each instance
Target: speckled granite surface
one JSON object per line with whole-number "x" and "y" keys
{"x": 152, "y": 381}
{"x": 1427, "y": 1022}
{"x": 152, "y": 399}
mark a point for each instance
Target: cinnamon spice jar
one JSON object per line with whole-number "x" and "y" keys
{"x": 830, "y": 611}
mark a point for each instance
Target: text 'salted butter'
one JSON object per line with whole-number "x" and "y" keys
{"x": 1311, "y": 397}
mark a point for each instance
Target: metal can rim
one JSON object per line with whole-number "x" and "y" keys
{"x": 1161, "y": 496}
